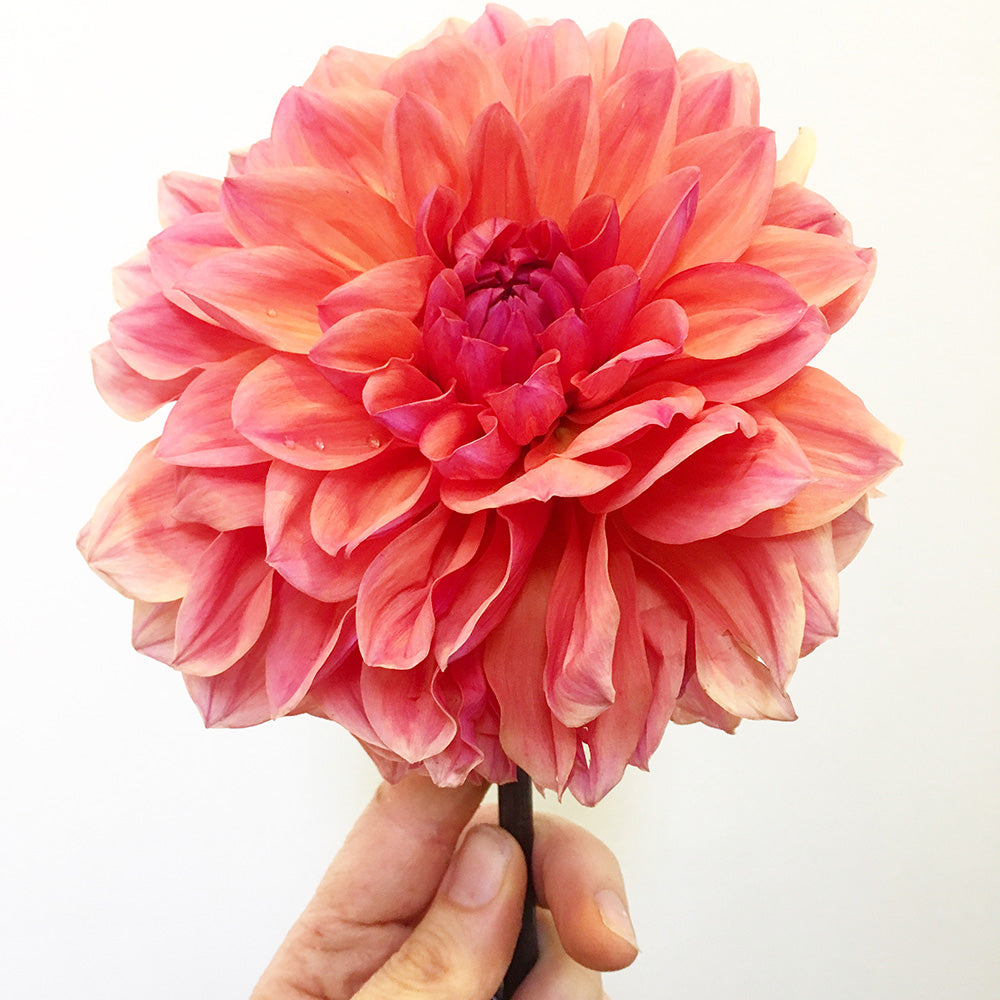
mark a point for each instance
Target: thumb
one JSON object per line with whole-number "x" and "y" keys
{"x": 463, "y": 944}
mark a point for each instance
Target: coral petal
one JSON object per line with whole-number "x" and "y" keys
{"x": 129, "y": 394}
{"x": 180, "y": 194}
{"x": 223, "y": 499}
{"x": 501, "y": 168}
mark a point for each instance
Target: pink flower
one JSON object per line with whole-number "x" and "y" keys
{"x": 494, "y": 437}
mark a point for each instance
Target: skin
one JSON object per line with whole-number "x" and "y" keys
{"x": 408, "y": 910}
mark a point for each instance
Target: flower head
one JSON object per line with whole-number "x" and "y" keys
{"x": 493, "y": 438}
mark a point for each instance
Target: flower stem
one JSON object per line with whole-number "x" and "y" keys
{"x": 516, "y": 818}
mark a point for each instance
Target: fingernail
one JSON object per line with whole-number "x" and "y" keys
{"x": 615, "y": 916}
{"x": 479, "y": 869}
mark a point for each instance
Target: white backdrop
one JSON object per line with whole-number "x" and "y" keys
{"x": 853, "y": 853}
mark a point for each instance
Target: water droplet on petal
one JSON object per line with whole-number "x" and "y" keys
{"x": 272, "y": 312}
{"x": 320, "y": 444}
{"x": 290, "y": 443}
{"x": 374, "y": 442}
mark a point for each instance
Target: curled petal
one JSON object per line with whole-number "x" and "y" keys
{"x": 365, "y": 341}
{"x": 796, "y": 207}
{"x": 528, "y": 411}
{"x": 848, "y": 449}
{"x": 224, "y": 499}
{"x": 733, "y": 308}
{"x": 354, "y": 504}
{"x": 608, "y": 306}
{"x": 399, "y": 285}
{"x": 288, "y": 410}
{"x": 405, "y": 401}
{"x": 593, "y": 234}
{"x": 153, "y": 628}
{"x": 226, "y": 605}
{"x": 199, "y": 430}
{"x": 134, "y": 543}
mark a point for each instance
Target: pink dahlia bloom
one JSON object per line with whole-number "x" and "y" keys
{"x": 494, "y": 437}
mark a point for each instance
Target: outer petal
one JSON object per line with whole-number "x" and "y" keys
{"x": 716, "y": 94}
{"x": 133, "y": 280}
{"x": 266, "y": 294}
{"x": 342, "y": 67}
{"x": 286, "y": 407}
{"x": 161, "y": 341}
{"x": 316, "y": 210}
{"x": 132, "y": 541}
{"x": 199, "y": 429}
{"x": 153, "y": 628}
{"x": 226, "y": 605}
{"x": 737, "y": 177}
{"x": 181, "y": 194}
{"x": 236, "y": 697}
{"x": 129, "y": 394}
{"x": 848, "y": 449}
{"x": 224, "y": 499}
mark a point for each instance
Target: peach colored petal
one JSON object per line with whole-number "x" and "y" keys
{"x": 819, "y": 267}
{"x": 535, "y": 61}
{"x": 400, "y": 285}
{"x": 494, "y": 27}
{"x": 529, "y": 733}
{"x": 563, "y": 133}
{"x": 354, "y": 504}
{"x": 655, "y": 225}
{"x": 423, "y": 152}
{"x": 161, "y": 341}
{"x": 797, "y": 207}
{"x": 404, "y": 400}
{"x": 235, "y": 698}
{"x": 133, "y": 281}
{"x": 737, "y": 177}
{"x": 343, "y": 67}
{"x": 291, "y": 548}
{"x": 288, "y": 410}
{"x": 153, "y": 628}
{"x": 581, "y": 624}
{"x": 593, "y": 234}
{"x": 849, "y": 450}
{"x": 129, "y": 394}
{"x": 501, "y": 169}
{"x": 199, "y": 430}
{"x": 395, "y": 600}
{"x": 366, "y": 341}
{"x": 404, "y": 712}
{"x": 340, "y": 131}
{"x": 226, "y": 604}
{"x": 181, "y": 194}
{"x": 317, "y": 210}
{"x": 722, "y": 486}
{"x": 644, "y": 47}
{"x": 266, "y": 294}
{"x": 850, "y": 531}
{"x": 638, "y": 119}
{"x": 815, "y": 561}
{"x": 303, "y": 634}
{"x": 132, "y": 541}
{"x": 733, "y": 308}
{"x": 844, "y": 306}
{"x": 453, "y": 76}
{"x": 223, "y": 499}
{"x": 759, "y": 370}
{"x": 716, "y": 94}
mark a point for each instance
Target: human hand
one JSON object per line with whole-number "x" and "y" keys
{"x": 402, "y": 915}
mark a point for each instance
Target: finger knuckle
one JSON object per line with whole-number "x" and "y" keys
{"x": 425, "y": 963}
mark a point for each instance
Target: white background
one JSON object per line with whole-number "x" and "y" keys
{"x": 852, "y": 854}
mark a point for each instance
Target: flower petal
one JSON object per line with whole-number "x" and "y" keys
{"x": 134, "y": 543}
{"x": 180, "y": 194}
{"x": 226, "y": 605}
{"x": 535, "y": 61}
{"x": 129, "y": 394}
{"x": 848, "y": 449}
{"x": 153, "y": 628}
{"x": 288, "y": 410}
{"x": 737, "y": 177}
{"x": 501, "y": 169}
{"x": 224, "y": 499}
{"x": 235, "y": 698}
{"x": 266, "y": 294}
{"x": 716, "y": 94}
{"x": 353, "y": 504}
{"x": 199, "y": 430}
{"x": 161, "y": 341}
{"x": 365, "y": 341}
{"x": 400, "y": 285}
{"x": 423, "y": 152}
{"x": 317, "y": 210}
{"x": 563, "y": 134}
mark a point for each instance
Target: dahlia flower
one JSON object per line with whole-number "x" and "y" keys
{"x": 493, "y": 434}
